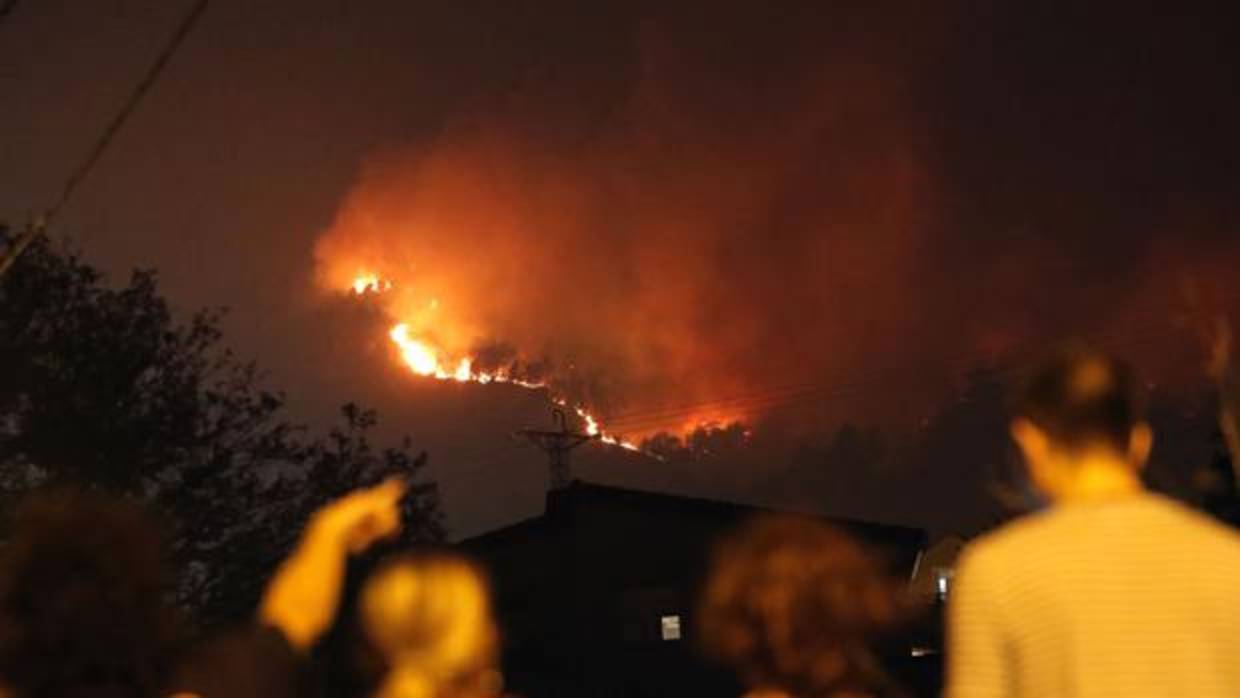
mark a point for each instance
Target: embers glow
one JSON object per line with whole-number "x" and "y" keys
{"x": 424, "y": 358}
{"x": 370, "y": 283}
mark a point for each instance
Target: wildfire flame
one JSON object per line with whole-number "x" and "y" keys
{"x": 424, "y": 358}
{"x": 370, "y": 283}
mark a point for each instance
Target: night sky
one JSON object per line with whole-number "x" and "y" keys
{"x": 676, "y": 204}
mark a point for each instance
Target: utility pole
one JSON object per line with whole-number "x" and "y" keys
{"x": 557, "y": 444}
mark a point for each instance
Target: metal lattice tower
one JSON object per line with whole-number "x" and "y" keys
{"x": 558, "y": 445}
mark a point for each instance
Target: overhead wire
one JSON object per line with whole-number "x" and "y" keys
{"x": 774, "y": 393}
{"x": 37, "y": 227}
{"x": 469, "y": 469}
{"x": 1151, "y": 324}
{"x": 961, "y": 363}
{"x": 766, "y": 399}
{"x": 140, "y": 91}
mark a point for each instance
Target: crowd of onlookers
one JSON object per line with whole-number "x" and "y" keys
{"x": 1107, "y": 590}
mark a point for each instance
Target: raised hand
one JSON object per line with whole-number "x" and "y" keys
{"x": 302, "y": 597}
{"x": 362, "y": 518}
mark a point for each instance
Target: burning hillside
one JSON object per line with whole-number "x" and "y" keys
{"x": 426, "y": 359}
{"x": 677, "y": 257}
{"x": 730, "y": 237}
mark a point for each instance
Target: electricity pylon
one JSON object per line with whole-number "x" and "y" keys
{"x": 557, "y": 444}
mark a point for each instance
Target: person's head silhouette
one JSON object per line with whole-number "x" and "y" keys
{"x": 430, "y": 618}
{"x": 793, "y": 605}
{"x": 82, "y": 608}
{"x": 1078, "y": 423}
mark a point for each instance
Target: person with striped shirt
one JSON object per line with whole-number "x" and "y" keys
{"x": 1109, "y": 591}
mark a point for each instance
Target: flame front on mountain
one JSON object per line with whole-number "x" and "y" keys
{"x": 426, "y": 359}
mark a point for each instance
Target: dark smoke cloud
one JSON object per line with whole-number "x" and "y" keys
{"x": 713, "y": 234}
{"x": 707, "y": 198}
{"x": 867, "y": 198}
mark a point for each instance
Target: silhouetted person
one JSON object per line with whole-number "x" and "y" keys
{"x": 271, "y": 658}
{"x": 1112, "y": 590}
{"x": 81, "y": 601}
{"x": 794, "y": 606}
{"x": 429, "y": 617}
{"x": 425, "y": 621}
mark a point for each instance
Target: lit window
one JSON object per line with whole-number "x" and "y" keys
{"x": 942, "y": 582}
{"x": 670, "y": 627}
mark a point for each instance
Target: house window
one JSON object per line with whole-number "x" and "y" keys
{"x": 669, "y": 627}
{"x": 652, "y": 615}
{"x": 942, "y": 582}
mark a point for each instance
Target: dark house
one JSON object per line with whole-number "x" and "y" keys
{"x": 596, "y": 596}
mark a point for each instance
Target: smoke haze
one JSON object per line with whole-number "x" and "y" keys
{"x": 791, "y": 202}
{"x": 796, "y": 213}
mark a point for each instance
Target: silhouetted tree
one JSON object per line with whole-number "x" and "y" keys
{"x": 704, "y": 442}
{"x": 104, "y": 387}
{"x": 846, "y": 472}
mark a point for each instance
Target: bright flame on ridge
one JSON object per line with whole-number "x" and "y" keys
{"x": 368, "y": 282}
{"x": 425, "y": 359}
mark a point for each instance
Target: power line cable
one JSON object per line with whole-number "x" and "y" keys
{"x": 36, "y": 227}
{"x": 469, "y": 468}
{"x": 135, "y": 98}
{"x": 961, "y": 362}
{"x": 781, "y": 397}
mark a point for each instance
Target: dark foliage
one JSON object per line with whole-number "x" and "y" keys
{"x": 105, "y": 387}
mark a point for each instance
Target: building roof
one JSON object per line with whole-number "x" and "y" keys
{"x": 579, "y": 494}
